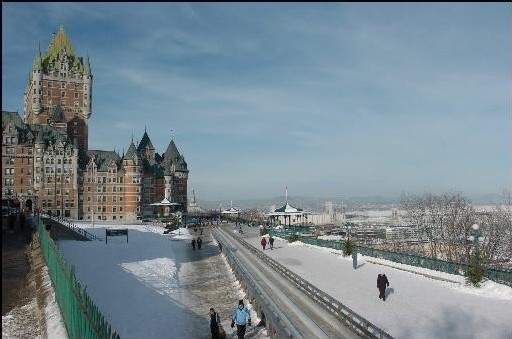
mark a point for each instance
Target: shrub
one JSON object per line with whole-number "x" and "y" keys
{"x": 293, "y": 238}
{"x": 476, "y": 271}
{"x": 263, "y": 231}
{"x": 348, "y": 247}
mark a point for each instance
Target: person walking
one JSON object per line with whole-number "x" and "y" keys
{"x": 263, "y": 242}
{"x": 382, "y": 283}
{"x": 194, "y": 244}
{"x": 22, "y": 220}
{"x": 220, "y": 246}
{"x": 214, "y": 323}
{"x": 271, "y": 242}
{"x": 241, "y": 317}
{"x": 199, "y": 242}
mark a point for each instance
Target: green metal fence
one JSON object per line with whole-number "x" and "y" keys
{"x": 82, "y": 318}
{"x": 503, "y": 277}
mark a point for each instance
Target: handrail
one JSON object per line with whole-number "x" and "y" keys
{"x": 350, "y": 318}
{"x": 498, "y": 275}
{"x": 73, "y": 227}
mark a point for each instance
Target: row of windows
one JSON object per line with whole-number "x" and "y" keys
{"x": 48, "y": 203}
{"x": 49, "y": 191}
{"x": 59, "y": 161}
{"x": 49, "y": 180}
{"x": 103, "y": 209}
{"x": 103, "y": 180}
{"x": 62, "y": 85}
{"x": 103, "y": 198}
{"x": 104, "y": 217}
{"x": 9, "y": 140}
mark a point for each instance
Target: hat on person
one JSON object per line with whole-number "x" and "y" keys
{"x": 240, "y": 302}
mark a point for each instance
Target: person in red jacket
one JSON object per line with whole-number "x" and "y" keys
{"x": 263, "y": 242}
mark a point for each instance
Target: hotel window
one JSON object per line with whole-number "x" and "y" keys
{"x": 63, "y": 85}
{"x": 63, "y": 94}
{"x": 76, "y": 95}
{"x": 49, "y": 93}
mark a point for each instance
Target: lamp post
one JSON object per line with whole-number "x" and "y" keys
{"x": 476, "y": 271}
{"x": 476, "y": 238}
{"x": 349, "y": 228}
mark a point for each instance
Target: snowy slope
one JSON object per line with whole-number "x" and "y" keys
{"x": 155, "y": 286}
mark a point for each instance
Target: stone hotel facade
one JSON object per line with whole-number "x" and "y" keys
{"x": 45, "y": 154}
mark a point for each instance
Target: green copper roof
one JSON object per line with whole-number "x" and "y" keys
{"x": 61, "y": 45}
{"x": 60, "y": 41}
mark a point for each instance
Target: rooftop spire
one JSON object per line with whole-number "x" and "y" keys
{"x": 87, "y": 66}
{"x": 38, "y": 65}
{"x": 286, "y": 194}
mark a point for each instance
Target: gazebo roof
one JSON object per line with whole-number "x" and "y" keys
{"x": 165, "y": 202}
{"x": 287, "y": 210}
{"x": 231, "y": 211}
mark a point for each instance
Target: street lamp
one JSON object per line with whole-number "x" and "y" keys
{"x": 475, "y": 237}
{"x": 220, "y": 211}
{"x": 349, "y": 228}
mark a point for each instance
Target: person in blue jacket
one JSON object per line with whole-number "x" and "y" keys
{"x": 241, "y": 317}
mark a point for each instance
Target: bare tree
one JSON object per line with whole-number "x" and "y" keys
{"x": 444, "y": 221}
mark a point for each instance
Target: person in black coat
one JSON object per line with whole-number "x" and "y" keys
{"x": 193, "y": 244}
{"x": 199, "y": 242}
{"x": 382, "y": 283}
{"x": 214, "y": 323}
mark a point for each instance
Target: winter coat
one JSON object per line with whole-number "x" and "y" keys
{"x": 214, "y": 320}
{"x": 241, "y": 316}
{"x": 382, "y": 281}
{"x": 271, "y": 240}
{"x": 263, "y": 242}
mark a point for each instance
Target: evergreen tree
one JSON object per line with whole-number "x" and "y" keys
{"x": 348, "y": 247}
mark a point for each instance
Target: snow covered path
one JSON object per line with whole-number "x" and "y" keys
{"x": 416, "y": 307}
{"x": 155, "y": 286}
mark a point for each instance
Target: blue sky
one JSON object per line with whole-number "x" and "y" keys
{"x": 327, "y": 99}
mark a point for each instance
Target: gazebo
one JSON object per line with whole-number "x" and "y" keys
{"x": 232, "y": 211}
{"x": 165, "y": 203}
{"x": 287, "y": 211}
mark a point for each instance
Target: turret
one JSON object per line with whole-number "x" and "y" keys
{"x": 168, "y": 184}
{"x": 87, "y": 77}
{"x": 37, "y": 78}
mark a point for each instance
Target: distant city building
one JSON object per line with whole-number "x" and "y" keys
{"x": 45, "y": 156}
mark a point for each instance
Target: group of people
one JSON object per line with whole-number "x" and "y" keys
{"x": 270, "y": 242}
{"x": 199, "y": 242}
{"x": 241, "y": 317}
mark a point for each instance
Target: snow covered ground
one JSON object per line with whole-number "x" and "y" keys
{"x": 155, "y": 286}
{"x": 417, "y": 307}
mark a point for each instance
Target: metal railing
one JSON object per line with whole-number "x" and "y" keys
{"x": 65, "y": 222}
{"x": 271, "y": 313}
{"x": 82, "y": 318}
{"x": 500, "y": 276}
{"x": 350, "y": 318}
